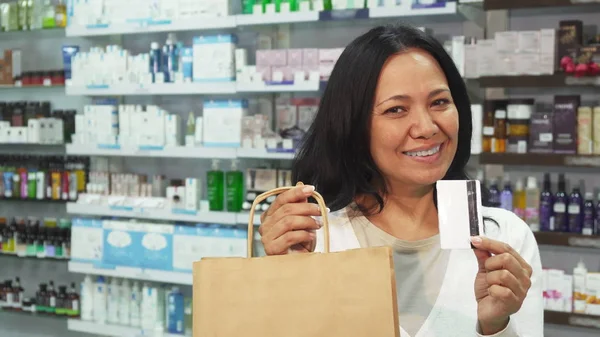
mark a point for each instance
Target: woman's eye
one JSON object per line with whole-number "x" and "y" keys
{"x": 441, "y": 102}
{"x": 395, "y": 110}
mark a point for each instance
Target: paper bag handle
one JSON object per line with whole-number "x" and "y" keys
{"x": 280, "y": 190}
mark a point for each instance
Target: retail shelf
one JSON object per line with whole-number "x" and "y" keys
{"x": 224, "y": 218}
{"x": 33, "y": 200}
{"x": 196, "y": 88}
{"x": 197, "y": 24}
{"x": 538, "y": 159}
{"x": 12, "y": 255}
{"x": 242, "y": 218}
{"x": 567, "y": 239}
{"x": 294, "y": 87}
{"x": 113, "y": 330}
{"x": 518, "y": 4}
{"x": 145, "y": 151}
{"x": 537, "y": 81}
{"x": 151, "y": 275}
{"x": 571, "y": 319}
{"x": 276, "y": 19}
{"x": 448, "y": 8}
{"x": 263, "y": 154}
{"x": 12, "y": 86}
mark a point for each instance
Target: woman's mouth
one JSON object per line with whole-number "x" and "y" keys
{"x": 426, "y": 156}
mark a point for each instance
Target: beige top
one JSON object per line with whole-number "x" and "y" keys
{"x": 419, "y": 266}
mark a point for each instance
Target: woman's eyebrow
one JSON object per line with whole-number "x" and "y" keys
{"x": 401, "y": 97}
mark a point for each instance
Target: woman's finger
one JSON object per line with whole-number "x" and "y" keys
{"x": 504, "y": 294}
{"x": 497, "y": 247}
{"x": 304, "y": 209}
{"x": 282, "y": 244}
{"x": 508, "y": 262}
{"x": 289, "y": 224}
{"x": 297, "y": 194}
{"x": 506, "y": 279}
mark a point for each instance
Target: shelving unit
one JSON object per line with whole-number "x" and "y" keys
{"x": 9, "y": 255}
{"x": 113, "y": 330}
{"x": 195, "y": 88}
{"x": 535, "y": 159}
{"x": 572, "y": 320}
{"x": 567, "y": 240}
{"x": 519, "y": 4}
{"x": 223, "y": 218}
{"x": 133, "y": 273}
{"x": 537, "y": 81}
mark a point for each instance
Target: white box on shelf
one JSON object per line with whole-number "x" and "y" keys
{"x": 506, "y": 42}
{"x": 198, "y": 137}
{"x": 528, "y": 41}
{"x": 87, "y": 243}
{"x": 458, "y": 53}
{"x": 193, "y": 193}
{"x": 34, "y": 132}
{"x": 172, "y": 130}
{"x": 214, "y": 58}
{"x": 547, "y": 51}
{"x": 4, "y": 131}
{"x": 157, "y": 247}
{"x": 18, "y": 134}
{"x": 527, "y": 64}
{"x": 222, "y": 122}
{"x": 486, "y": 57}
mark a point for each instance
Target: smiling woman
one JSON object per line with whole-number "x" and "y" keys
{"x": 394, "y": 119}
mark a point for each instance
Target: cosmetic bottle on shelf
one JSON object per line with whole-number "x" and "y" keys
{"x": 575, "y": 211}
{"x": 519, "y": 199}
{"x": 546, "y": 205}
{"x": 532, "y": 202}
{"x": 560, "y": 217}
{"x": 506, "y": 196}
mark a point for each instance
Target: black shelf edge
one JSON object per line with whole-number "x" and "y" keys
{"x": 33, "y": 257}
{"x": 571, "y": 319}
{"x": 520, "y": 4}
{"x": 50, "y": 201}
{"x": 538, "y": 81}
{"x": 540, "y": 159}
{"x": 567, "y": 240}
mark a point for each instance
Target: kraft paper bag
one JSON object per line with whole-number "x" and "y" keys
{"x": 342, "y": 294}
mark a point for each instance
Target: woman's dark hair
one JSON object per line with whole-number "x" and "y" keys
{"x": 335, "y": 156}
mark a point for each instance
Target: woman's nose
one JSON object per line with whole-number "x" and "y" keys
{"x": 423, "y": 126}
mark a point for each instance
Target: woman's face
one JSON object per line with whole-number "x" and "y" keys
{"x": 414, "y": 127}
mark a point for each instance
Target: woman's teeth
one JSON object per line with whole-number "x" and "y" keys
{"x": 427, "y": 153}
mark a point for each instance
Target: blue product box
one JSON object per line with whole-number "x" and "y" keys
{"x": 87, "y": 244}
{"x": 187, "y": 63}
{"x": 157, "y": 247}
{"x": 122, "y": 244}
{"x": 68, "y": 52}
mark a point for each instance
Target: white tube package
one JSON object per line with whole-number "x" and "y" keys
{"x": 459, "y": 212}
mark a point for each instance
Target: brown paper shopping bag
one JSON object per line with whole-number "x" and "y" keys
{"x": 342, "y": 294}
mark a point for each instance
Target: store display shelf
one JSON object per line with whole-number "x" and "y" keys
{"x": 263, "y": 154}
{"x": 112, "y": 330}
{"x": 28, "y": 313}
{"x": 224, "y": 218}
{"x": 152, "y": 151}
{"x": 571, "y": 319}
{"x": 13, "y": 255}
{"x": 276, "y": 18}
{"x": 539, "y": 159}
{"x": 242, "y": 218}
{"x": 33, "y": 200}
{"x": 448, "y": 8}
{"x": 195, "y": 88}
{"x": 144, "y": 27}
{"x": 567, "y": 239}
{"x": 537, "y": 81}
{"x": 12, "y": 86}
{"x": 141, "y": 274}
{"x": 292, "y": 87}
{"x": 518, "y": 4}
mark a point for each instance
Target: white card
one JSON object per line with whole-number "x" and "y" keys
{"x": 459, "y": 212}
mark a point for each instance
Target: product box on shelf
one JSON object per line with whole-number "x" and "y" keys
{"x": 214, "y": 58}
{"x": 570, "y": 38}
{"x": 157, "y": 247}
{"x": 565, "y": 124}
{"x": 554, "y": 290}
{"x": 592, "y": 284}
{"x": 188, "y": 247}
{"x": 584, "y": 130}
{"x": 222, "y": 123}
{"x": 122, "y": 242}
{"x": 259, "y": 181}
{"x": 541, "y": 131}
{"x": 547, "y": 63}
{"x": 486, "y": 57}
{"x": 87, "y": 240}
{"x": 6, "y": 68}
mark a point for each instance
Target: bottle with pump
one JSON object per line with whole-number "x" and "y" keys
{"x": 546, "y": 205}
{"x": 62, "y": 301}
{"x": 42, "y": 299}
{"x": 519, "y": 200}
{"x": 175, "y": 311}
{"x": 112, "y": 294}
{"x": 589, "y": 215}
{"x": 506, "y": 196}
{"x": 190, "y": 130}
{"x": 155, "y": 61}
{"x": 579, "y": 287}
{"x": 215, "y": 180}
{"x": 575, "y": 211}
{"x": 235, "y": 188}
{"x": 135, "y": 309}
{"x": 494, "y": 193}
{"x": 532, "y": 204}
{"x": 100, "y": 301}
{"x": 561, "y": 220}
{"x": 124, "y": 302}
